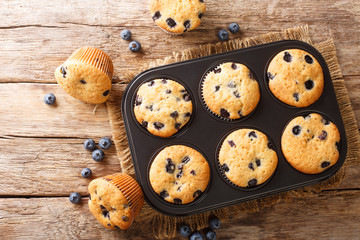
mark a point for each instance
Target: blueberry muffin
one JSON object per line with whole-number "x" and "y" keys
{"x": 162, "y": 106}
{"x": 179, "y": 174}
{"x": 247, "y": 158}
{"x": 177, "y": 16}
{"x": 230, "y": 90}
{"x": 295, "y": 77}
{"x": 115, "y": 200}
{"x": 311, "y": 143}
{"x": 86, "y": 75}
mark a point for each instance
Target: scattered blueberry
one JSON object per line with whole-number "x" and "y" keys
{"x": 134, "y": 46}
{"x": 214, "y": 223}
{"x": 196, "y": 236}
{"x": 126, "y": 34}
{"x": 75, "y": 198}
{"x": 89, "y": 144}
{"x": 98, "y": 155}
{"x": 86, "y": 173}
{"x": 234, "y": 27}
{"x": 223, "y": 35}
{"x": 210, "y": 234}
{"x": 105, "y": 143}
{"x": 185, "y": 231}
{"x": 49, "y": 99}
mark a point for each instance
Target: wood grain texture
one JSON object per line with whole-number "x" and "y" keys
{"x": 41, "y": 153}
{"x": 330, "y": 215}
{"x": 49, "y": 167}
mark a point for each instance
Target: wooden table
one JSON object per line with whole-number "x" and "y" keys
{"x": 41, "y": 152}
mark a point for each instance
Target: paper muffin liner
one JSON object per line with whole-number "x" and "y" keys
{"x": 222, "y": 172}
{"x": 131, "y": 190}
{"x": 94, "y": 57}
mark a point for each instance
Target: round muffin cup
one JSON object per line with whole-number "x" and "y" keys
{"x": 207, "y": 107}
{"x": 223, "y": 175}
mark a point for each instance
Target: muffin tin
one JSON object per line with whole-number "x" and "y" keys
{"x": 205, "y": 131}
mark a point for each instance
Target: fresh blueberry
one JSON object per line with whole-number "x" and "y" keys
{"x": 105, "y": 143}
{"x": 223, "y": 35}
{"x": 196, "y": 236}
{"x": 134, "y": 46}
{"x": 234, "y": 27}
{"x": 98, "y": 155}
{"x": 185, "y": 231}
{"x": 86, "y": 173}
{"x": 75, "y": 198}
{"x": 214, "y": 223}
{"x": 210, "y": 234}
{"x": 49, "y": 99}
{"x": 125, "y": 34}
{"x": 89, "y": 144}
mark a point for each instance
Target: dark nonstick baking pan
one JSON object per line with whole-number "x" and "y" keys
{"x": 205, "y": 132}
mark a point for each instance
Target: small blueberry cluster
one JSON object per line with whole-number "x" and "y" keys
{"x": 223, "y": 35}
{"x": 134, "y": 45}
{"x": 98, "y": 155}
{"x": 208, "y": 233}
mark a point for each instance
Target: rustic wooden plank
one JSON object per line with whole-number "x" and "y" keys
{"x": 49, "y": 167}
{"x": 23, "y": 113}
{"x": 331, "y": 215}
{"x": 33, "y": 45}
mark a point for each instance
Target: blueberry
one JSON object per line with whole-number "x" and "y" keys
{"x": 224, "y": 113}
{"x": 125, "y": 34}
{"x": 89, "y": 144}
{"x": 177, "y": 201}
{"x": 296, "y": 130}
{"x": 86, "y": 173}
{"x": 214, "y": 223}
{"x": 210, "y": 234}
{"x": 231, "y": 143}
{"x": 196, "y": 236}
{"x": 270, "y": 76}
{"x": 251, "y": 166}
{"x": 75, "y": 198}
{"x": 223, "y": 35}
{"x": 323, "y": 135}
{"x": 105, "y": 143}
{"x": 308, "y": 59}
{"x": 158, "y": 125}
{"x": 98, "y": 155}
{"x": 225, "y": 167}
{"x": 234, "y": 27}
{"x": 171, "y": 22}
{"x": 296, "y": 97}
{"x": 156, "y": 15}
{"x": 197, "y": 193}
{"x": 252, "y": 182}
{"x": 134, "y": 46}
{"x": 309, "y": 84}
{"x": 325, "y": 164}
{"x": 164, "y": 194}
{"x": 49, "y": 99}
{"x": 287, "y": 57}
{"x": 217, "y": 88}
{"x": 170, "y": 166}
{"x": 252, "y": 134}
{"x": 185, "y": 231}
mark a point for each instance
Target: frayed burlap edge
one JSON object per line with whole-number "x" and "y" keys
{"x": 166, "y": 226}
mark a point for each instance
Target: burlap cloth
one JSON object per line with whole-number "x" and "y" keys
{"x": 165, "y": 226}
